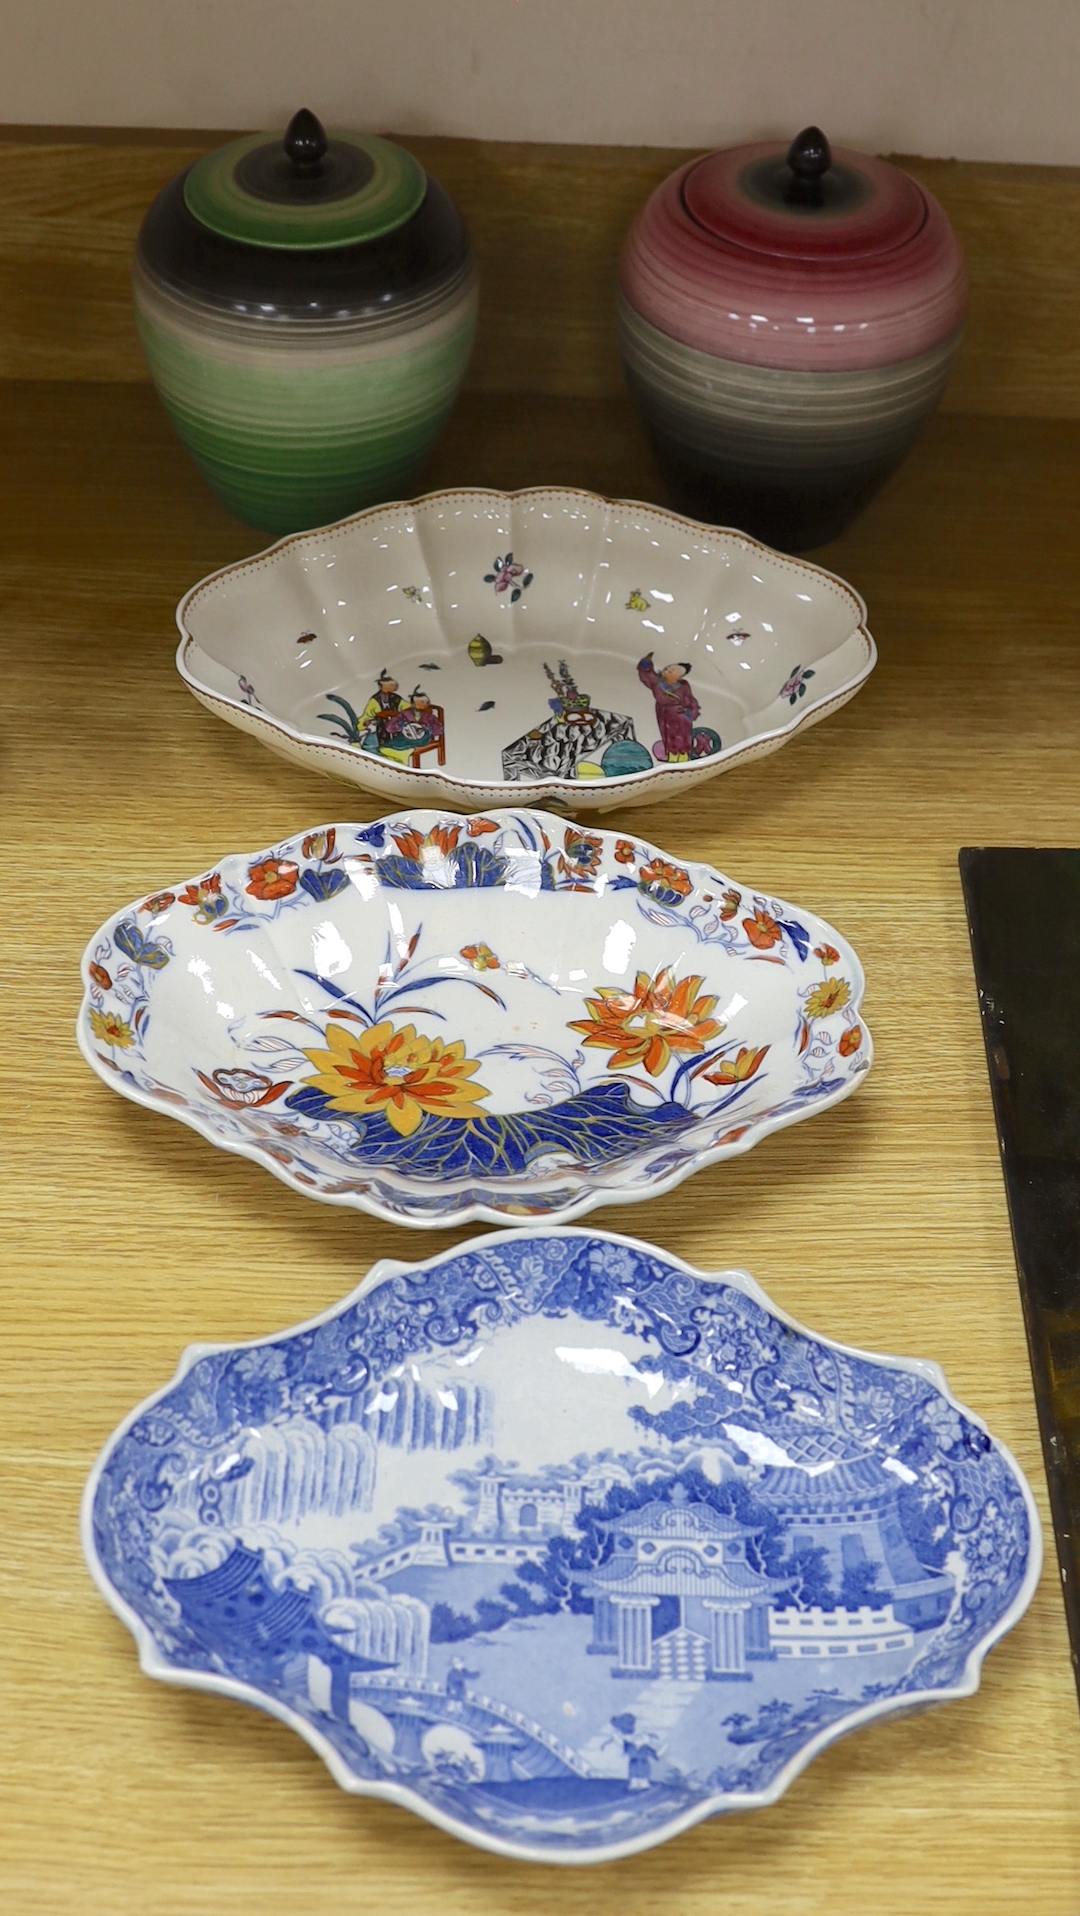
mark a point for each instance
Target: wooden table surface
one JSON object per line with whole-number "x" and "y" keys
{"x": 882, "y": 1222}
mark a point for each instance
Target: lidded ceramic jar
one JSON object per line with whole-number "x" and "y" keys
{"x": 788, "y": 321}
{"x": 307, "y": 307}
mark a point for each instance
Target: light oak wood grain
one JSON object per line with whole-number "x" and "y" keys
{"x": 549, "y": 224}
{"x": 882, "y": 1223}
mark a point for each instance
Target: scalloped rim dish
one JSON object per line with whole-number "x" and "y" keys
{"x": 507, "y": 1016}
{"x": 573, "y": 591}
{"x": 675, "y": 1434}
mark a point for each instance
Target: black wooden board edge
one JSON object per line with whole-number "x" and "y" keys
{"x": 1023, "y": 909}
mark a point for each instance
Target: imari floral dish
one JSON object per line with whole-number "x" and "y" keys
{"x": 438, "y": 1019}
{"x": 559, "y": 1543}
{"x": 480, "y": 648}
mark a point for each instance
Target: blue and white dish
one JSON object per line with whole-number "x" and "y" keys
{"x": 438, "y": 1019}
{"x": 560, "y": 1543}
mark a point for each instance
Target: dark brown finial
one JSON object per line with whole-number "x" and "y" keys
{"x": 305, "y": 143}
{"x": 809, "y": 157}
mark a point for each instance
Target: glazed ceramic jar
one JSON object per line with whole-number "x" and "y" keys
{"x": 307, "y": 307}
{"x": 788, "y": 321}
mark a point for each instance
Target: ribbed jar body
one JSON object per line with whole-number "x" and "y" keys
{"x": 780, "y": 392}
{"x": 306, "y": 385}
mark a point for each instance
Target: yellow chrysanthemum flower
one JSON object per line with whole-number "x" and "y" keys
{"x": 826, "y": 998}
{"x": 111, "y": 1029}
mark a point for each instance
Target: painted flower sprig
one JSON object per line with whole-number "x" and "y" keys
{"x": 507, "y": 575}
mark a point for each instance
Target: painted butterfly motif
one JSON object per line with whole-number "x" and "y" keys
{"x": 141, "y": 951}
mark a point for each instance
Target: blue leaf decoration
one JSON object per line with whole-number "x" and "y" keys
{"x": 799, "y": 936}
{"x": 323, "y": 885}
{"x": 600, "y": 1126}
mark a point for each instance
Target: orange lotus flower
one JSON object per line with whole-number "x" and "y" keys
{"x": 480, "y": 957}
{"x": 624, "y": 851}
{"x": 272, "y": 878}
{"x": 732, "y": 901}
{"x": 99, "y": 975}
{"x": 832, "y": 996}
{"x": 160, "y": 901}
{"x": 111, "y": 1029}
{"x": 644, "y": 1026}
{"x": 762, "y": 930}
{"x": 850, "y": 1041}
{"x": 737, "y": 1070}
{"x": 398, "y": 1073}
{"x": 438, "y": 843}
{"x": 827, "y": 953}
{"x": 198, "y": 894}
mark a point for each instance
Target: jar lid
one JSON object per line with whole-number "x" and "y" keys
{"x": 307, "y": 191}
{"x": 808, "y": 202}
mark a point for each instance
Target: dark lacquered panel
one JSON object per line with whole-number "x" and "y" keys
{"x": 1024, "y": 915}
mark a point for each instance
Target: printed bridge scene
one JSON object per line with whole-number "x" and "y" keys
{"x": 561, "y": 1535}
{"x": 673, "y": 1603}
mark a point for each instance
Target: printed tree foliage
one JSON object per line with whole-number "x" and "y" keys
{"x": 809, "y": 1587}
{"x": 860, "y": 1584}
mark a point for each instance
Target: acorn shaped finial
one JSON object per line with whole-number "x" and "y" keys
{"x": 809, "y": 157}
{"x": 305, "y": 142}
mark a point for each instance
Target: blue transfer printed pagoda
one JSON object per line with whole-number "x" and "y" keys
{"x": 235, "y": 1613}
{"x": 690, "y": 1553}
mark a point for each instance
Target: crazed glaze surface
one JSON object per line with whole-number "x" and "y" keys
{"x": 437, "y": 1019}
{"x": 559, "y": 1543}
{"x": 525, "y": 638}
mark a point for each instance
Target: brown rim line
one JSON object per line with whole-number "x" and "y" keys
{"x": 745, "y": 539}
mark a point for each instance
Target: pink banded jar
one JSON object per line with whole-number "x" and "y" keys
{"x": 788, "y": 322}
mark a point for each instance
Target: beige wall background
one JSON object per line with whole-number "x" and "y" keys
{"x": 970, "y": 79}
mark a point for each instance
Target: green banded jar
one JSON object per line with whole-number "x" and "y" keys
{"x": 307, "y": 308}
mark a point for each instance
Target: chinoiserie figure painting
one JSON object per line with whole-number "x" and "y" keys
{"x": 391, "y": 726}
{"x": 384, "y": 702}
{"x": 409, "y": 729}
{"x": 677, "y": 710}
{"x": 676, "y": 706}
